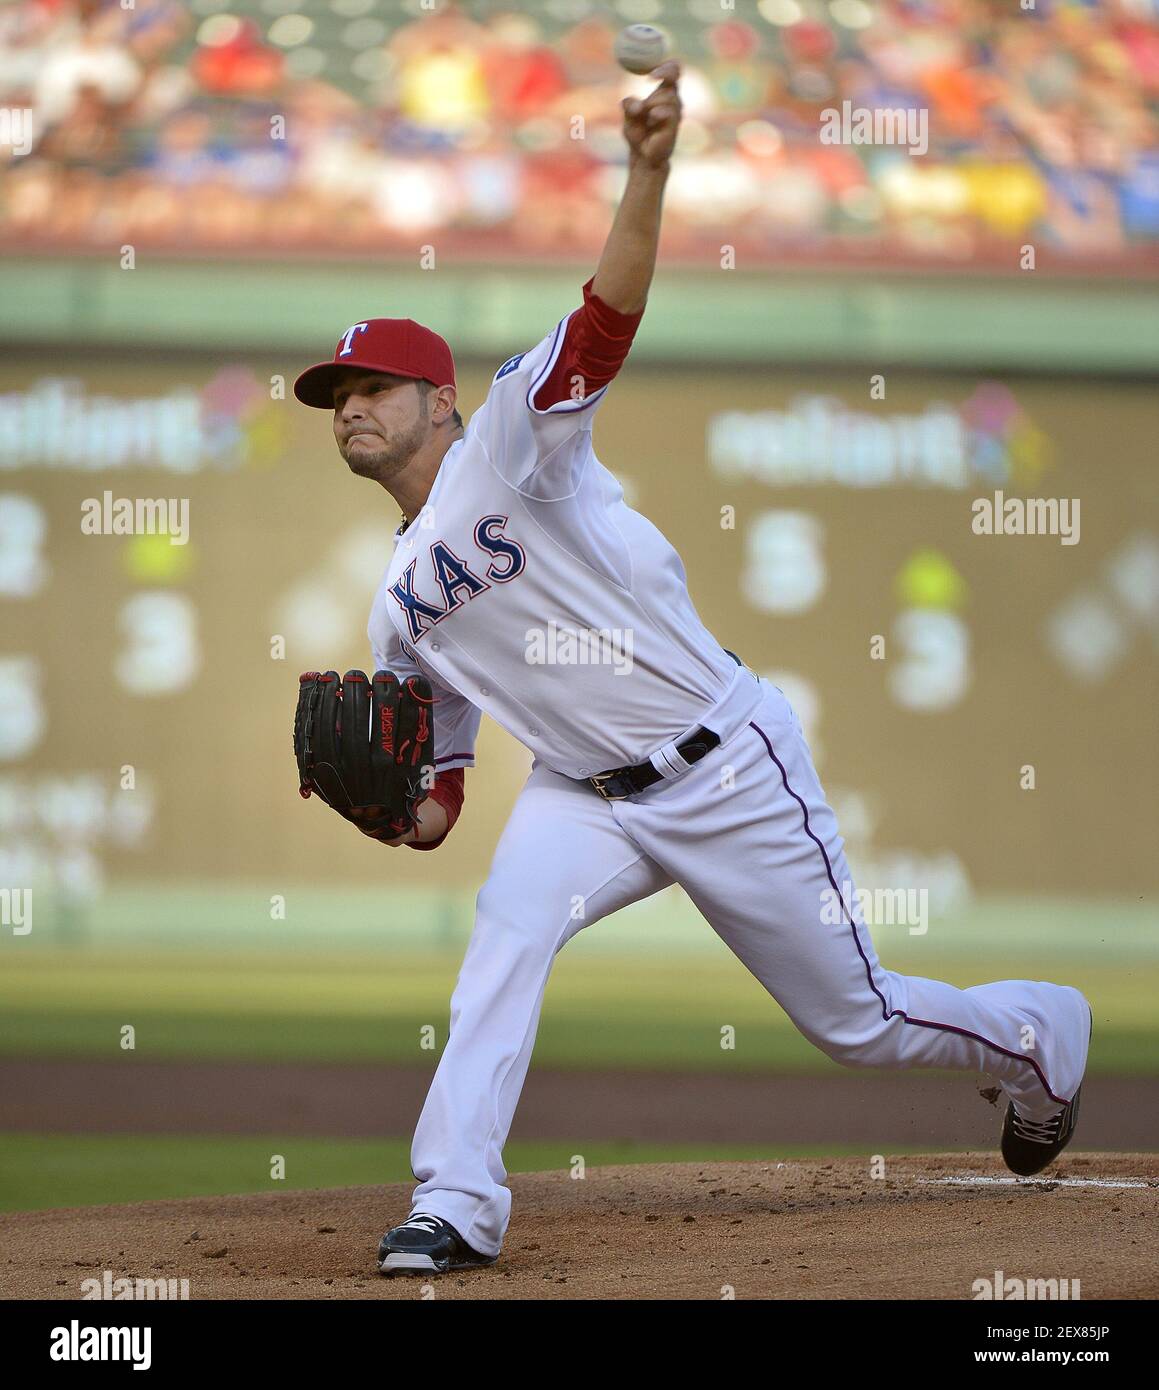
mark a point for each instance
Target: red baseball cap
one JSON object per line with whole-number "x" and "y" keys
{"x": 398, "y": 346}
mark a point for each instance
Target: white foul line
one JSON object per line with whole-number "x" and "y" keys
{"x": 1034, "y": 1182}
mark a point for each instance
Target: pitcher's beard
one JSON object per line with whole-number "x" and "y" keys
{"x": 383, "y": 464}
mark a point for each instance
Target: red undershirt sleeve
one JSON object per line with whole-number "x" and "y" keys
{"x": 449, "y": 791}
{"x": 596, "y": 341}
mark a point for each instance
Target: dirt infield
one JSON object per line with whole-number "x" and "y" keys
{"x": 928, "y": 1229}
{"x": 920, "y": 1111}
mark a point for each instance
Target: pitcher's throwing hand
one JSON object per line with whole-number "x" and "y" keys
{"x": 651, "y": 123}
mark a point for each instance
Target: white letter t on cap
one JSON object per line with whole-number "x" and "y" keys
{"x": 348, "y": 337}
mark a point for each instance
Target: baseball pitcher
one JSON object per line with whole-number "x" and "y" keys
{"x": 659, "y": 758}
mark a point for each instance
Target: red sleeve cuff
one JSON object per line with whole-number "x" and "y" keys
{"x": 597, "y": 339}
{"x": 449, "y": 791}
{"x": 610, "y": 321}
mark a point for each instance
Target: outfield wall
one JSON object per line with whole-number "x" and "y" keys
{"x": 976, "y": 702}
{"x": 1018, "y": 322}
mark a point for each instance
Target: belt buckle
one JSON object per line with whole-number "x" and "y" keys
{"x": 600, "y": 781}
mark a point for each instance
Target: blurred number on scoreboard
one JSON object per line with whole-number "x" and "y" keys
{"x": 933, "y": 671}
{"x": 160, "y": 654}
{"x": 22, "y": 715}
{"x": 23, "y": 568}
{"x": 785, "y": 565}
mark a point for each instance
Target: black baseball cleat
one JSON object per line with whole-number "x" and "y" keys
{"x": 1029, "y": 1145}
{"x": 427, "y": 1245}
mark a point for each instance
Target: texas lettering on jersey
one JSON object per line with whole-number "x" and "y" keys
{"x": 457, "y": 582}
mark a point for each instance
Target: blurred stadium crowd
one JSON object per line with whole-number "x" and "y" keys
{"x": 371, "y": 125}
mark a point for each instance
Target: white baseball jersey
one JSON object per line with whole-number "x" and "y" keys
{"x": 526, "y": 558}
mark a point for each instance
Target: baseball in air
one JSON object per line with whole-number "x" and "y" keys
{"x": 640, "y": 48}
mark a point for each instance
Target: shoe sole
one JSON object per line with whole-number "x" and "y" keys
{"x": 423, "y": 1264}
{"x": 411, "y": 1264}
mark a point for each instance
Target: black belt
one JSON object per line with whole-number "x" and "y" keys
{"x": 625, "y": 781}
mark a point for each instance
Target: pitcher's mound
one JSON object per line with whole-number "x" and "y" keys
{"x": 928, "y": 1227}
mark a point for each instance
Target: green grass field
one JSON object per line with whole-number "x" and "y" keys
{"x": 629, "y": 1012}
{"x": 38, "y": 1170}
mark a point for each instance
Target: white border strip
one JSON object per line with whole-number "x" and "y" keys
{"x": 981, "y": 1181}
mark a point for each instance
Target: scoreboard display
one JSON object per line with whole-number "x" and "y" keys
{"x": 954, "y": 579}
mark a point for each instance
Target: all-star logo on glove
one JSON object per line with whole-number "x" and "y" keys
{"x": 364, "y": 746}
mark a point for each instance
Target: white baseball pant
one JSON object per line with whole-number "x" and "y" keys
{"x": 759, "y": 854}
